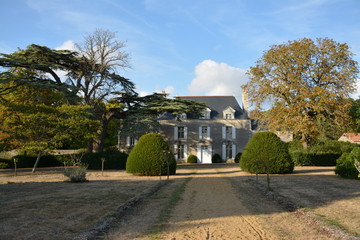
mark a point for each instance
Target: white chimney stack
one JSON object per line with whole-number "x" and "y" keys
{"x": 245, "y": 101}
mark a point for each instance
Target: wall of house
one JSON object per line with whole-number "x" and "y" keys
{"x": 242, "y": 134}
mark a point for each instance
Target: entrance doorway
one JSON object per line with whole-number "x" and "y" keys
{"x": 204, "y": 153}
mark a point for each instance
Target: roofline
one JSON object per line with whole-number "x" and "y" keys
{"x": 209, "y": 96}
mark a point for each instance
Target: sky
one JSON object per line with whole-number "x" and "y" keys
{"x": 183, "y": 47}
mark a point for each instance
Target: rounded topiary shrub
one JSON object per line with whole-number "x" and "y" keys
{"x": 216, "y": 158}
{"x": 149, "y": 155}
{"x": 237, "y": 157}
{"x": 192, "y": 159}
{"x": 345, "y": 165}
{"x": 266, "y": 150}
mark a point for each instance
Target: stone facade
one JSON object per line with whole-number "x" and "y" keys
{"x": 224, "y": 129}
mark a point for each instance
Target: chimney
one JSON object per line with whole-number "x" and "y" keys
{"x": 245, "y": 101}
{"x": 164, "y": 93}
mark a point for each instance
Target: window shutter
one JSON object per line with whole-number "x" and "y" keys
{"x": 210, "y": 149}
{"x": 223, "y": 152}
{"x": 224, "y": 132}
{"x": 175, "y": 133}
{"x": 208, "y": 132}
{"x": 175, "y": 151}
{"x": 135, "y": 141}
{"x": 233, "y": 132}
{"x": 185, "y": 132}
{"x": 127, "y": 141}
{"x": 233, "y": 151}
{"x": 200, "y": 132}
{"x": 185, "y": 152}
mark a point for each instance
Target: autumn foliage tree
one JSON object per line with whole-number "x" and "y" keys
{"x": 40, "y": 118}
{"x": 307, "y": 85}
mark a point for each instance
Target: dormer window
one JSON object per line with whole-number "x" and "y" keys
{"x": 229, "y": 113}
{"x": 181, "y": 116}
{"x": 205, "y": 114}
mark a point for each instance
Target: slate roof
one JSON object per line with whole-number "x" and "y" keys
{"x": 218, "y": 104}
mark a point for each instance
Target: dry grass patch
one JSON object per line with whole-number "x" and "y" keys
{"x": 333, "y": 200}
{"x": 43, "y": 206}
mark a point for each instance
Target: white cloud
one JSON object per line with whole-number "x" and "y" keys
{"x": 143, "y": 93}
{"x": 67, "y": 45}
{"x": 214, "y": 78}
{"x": 356, "y": 94}
{"x": 169, "y": 90}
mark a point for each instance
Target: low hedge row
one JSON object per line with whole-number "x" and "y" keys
{"x": 6, "y": 163}
{"x": 28, "y": 161}
{"x": 113, "y": 160}
{"x": 314, "y": 159}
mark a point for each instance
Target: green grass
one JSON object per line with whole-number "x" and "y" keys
{"x": 334, "y": 223}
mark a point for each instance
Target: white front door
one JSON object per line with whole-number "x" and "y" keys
{"x": 204, "y": 154}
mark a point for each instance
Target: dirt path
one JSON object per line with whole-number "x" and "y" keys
{"x": 217, "y": 203}
{"x": 210, "y": 209}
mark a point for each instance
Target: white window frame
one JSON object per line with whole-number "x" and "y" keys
{"x": 205, "y": 114}
{"x": 182, "y": 116}
{"x": 180, "y": 151}
{"x": 230, "y": 134}
{"x": 226, "y": 147}
{"x": 204, "y": 134}
{"x": 229, "y": 113}
{"x": 131, "y": 141}
{"x": 176, "y": 132}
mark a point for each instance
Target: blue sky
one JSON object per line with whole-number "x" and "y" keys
{"x": 186, "y": 47}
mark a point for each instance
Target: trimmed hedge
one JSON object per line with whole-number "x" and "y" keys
{"x": 114, "y": 159}
{"x": 6, "y": 163}
{"x": 237, "y": 157}
{"x": 345, "y": 164}
{"x": 216, "y": 158}
{"x": 266, "y": 149}
{"x": 323, "y": 153}
{"x": 46, "y": 160}
{"x": 148, "y": 157}
{"x": 314, "y": 159}
{"x": 192, "y": 159}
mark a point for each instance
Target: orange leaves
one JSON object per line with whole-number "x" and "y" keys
{"x": 309, "y": 83}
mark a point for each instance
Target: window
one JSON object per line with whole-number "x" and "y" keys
{"x": 229, "y": 113}
{"x": 181, "y": 116}
{"x": 131, "y": 141}
{"x": 229, "y": 151}
{"x": 228, "y": 116}
{"x": 180, "y": 152}
{"x": 204, "y": 132}
{"x": 228, "y": 130}
{"x": 205, "y": 114}
{"x": 181, "y": 132}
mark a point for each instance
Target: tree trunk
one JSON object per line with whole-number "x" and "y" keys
{"x": 90, "y": 145}
{"x": 37, "y": 161}
{"x": 98, "y": 143}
